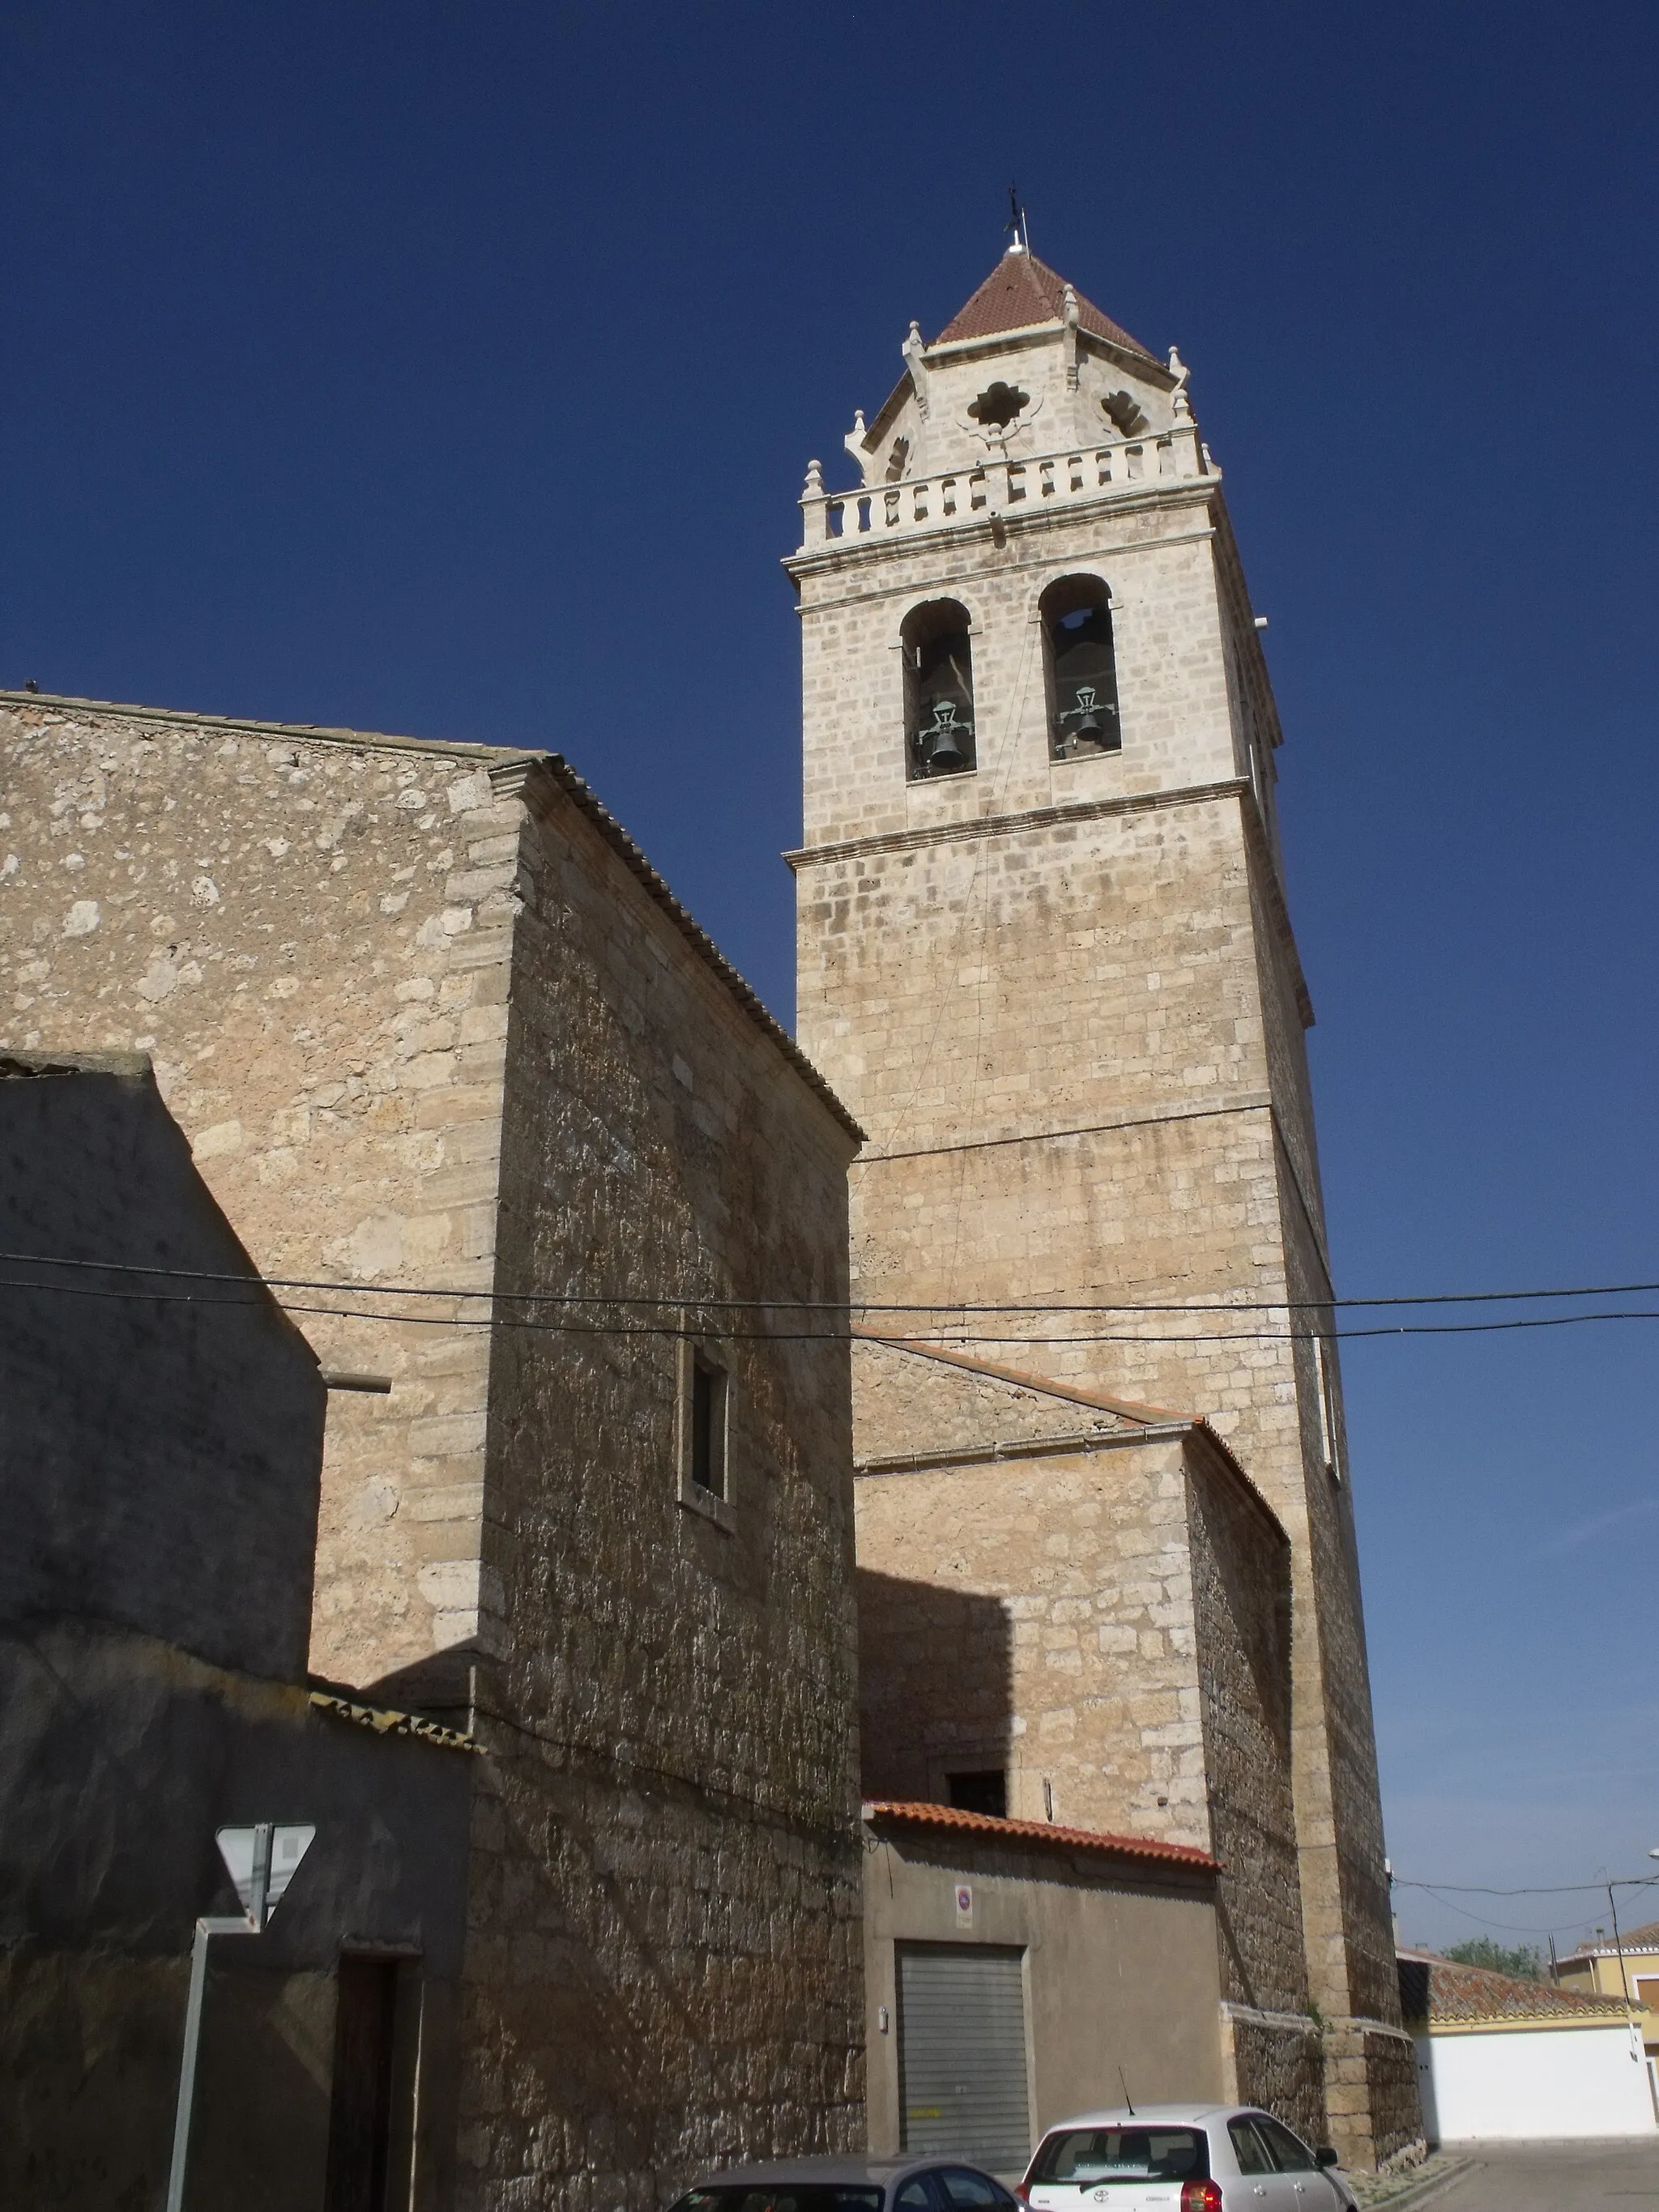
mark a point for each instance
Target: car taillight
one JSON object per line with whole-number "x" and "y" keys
{"x": 1199, "y": 2197}
{"x": 1023, "y": 2191}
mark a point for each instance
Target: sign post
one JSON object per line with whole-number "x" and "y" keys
{"x": 261, "y": 1861}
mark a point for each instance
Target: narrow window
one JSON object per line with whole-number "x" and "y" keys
{"x": 938, "y": 691}
{"x": 1328, "y": 1409}
{"x": 983, "y": 1790}
{"x": 707, "y": 1425}
{"x": 1082, "y": 668}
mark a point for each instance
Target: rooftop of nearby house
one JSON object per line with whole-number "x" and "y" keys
{"x": 1645, "y": 1939}
{"x": 1446, "y": 1993}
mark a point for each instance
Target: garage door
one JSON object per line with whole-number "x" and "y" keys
{"x": 962, "y": 2053}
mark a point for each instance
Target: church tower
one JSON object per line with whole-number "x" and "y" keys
{"x": 1045, "y": 956}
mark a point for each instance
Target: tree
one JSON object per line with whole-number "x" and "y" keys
{"x": 1523, "y": 1963}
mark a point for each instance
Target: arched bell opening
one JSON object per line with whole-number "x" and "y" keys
{"x": 1082, "y": 669}
{"x": 939, "y": 690}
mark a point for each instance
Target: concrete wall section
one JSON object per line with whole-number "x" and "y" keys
{"x": 1120, "y": 1968}
{"x": 1520, "y": 2084}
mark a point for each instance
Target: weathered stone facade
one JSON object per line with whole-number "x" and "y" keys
{"x": 432, "y": 1024}
{"x": 1063, "y": 994}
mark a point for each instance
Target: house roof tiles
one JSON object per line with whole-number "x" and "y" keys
{"x": 891, "y": 1812}
{"x": 1445, "y": 1993}
{"x": 1022, "y": 290}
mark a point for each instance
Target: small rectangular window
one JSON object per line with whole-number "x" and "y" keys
{"x": 707, "y": 1425}
{"x": 1323, "y": 1367}
{"x": 982, "y": 1790}
{"x": 704, "y": 1454}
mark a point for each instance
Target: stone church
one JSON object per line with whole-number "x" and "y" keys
{"x": 466, "y": 1080}
{"x": 1045, "y": 957}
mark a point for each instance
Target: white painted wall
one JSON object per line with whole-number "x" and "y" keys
{"x": 1534, "y": 2082}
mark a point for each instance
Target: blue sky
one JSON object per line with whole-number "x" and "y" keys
{"x": 453, "y": 372}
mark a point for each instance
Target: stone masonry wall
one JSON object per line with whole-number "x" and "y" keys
{"x": 310, "y": 934}
{"x": 1064, "y": 1000}
{"x": 1242, "y": 1616}
{"x": 666, "y": 1971}
{"x": 1087, "y": 1556}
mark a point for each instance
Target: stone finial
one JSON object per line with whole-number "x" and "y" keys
{"x": 1179, "y": 370}
{"x": 1070, "y": 348}
{"x": 915, "y": 350}
{"x": 857, "y": 422}
{"x": 814, "y": 481}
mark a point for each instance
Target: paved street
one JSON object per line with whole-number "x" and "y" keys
{"x": 1555, "y": 2177}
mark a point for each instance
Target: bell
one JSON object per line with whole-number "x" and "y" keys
{"x": 1087, "y": 730}
{"x": 941, "y": 745}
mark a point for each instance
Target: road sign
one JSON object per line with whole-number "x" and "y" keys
{"x": 261, "y": 1861}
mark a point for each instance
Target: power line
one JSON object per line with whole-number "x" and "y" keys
{"x": 1037, "y": 1310}
{"x": 1534, "y": 1889}
{"x": 942, "y": 1336}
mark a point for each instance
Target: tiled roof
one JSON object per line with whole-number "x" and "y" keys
{"x": 1644, "y": 1938}
{"x": 1022, "y": 290}
{"x": 888, "y": 1812}
{"x": 1442, "y": 1992}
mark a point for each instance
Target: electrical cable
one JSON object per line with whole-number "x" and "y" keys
{"x": 1226, "y": 1306}
{"x": 943, "y": 1337}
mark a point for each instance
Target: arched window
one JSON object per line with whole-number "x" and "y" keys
{"x": 939, "y": 690}
{"x": 1077, "y": 632}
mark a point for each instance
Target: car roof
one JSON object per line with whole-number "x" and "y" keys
{"x": 850, "y": 2167}
{"x": 1118, "y": 2115}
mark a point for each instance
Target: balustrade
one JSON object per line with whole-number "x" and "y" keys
{"x": 999, "y": 488}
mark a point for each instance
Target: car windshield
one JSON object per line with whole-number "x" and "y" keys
{"x": 1089, "y": 2156}
{"x": 783, "y": 2197}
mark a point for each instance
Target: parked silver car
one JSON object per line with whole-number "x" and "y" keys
{"x": 853, "y": 2183}
{"x": 1181, "y": 2158}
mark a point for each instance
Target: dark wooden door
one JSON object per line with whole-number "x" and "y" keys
{"x": 359, "y": 2112}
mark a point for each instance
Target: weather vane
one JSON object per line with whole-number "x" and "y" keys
{"x": 1017, "y": 222}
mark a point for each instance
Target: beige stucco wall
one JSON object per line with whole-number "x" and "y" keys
{"x": 1120, "y": 1968}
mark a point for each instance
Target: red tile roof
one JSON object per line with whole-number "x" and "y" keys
{"x": 1022, "y": 290}
{"x": 1442, "y": 1991}
{"x": 885, "y": 1812}
{"x": 1644, "y": 1938}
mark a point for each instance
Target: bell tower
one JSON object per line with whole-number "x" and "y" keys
{"x": 1045, "y": 956}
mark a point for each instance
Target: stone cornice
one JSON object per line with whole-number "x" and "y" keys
{"x": 1043, "y": 558}
{"x": 1014, "y": 826}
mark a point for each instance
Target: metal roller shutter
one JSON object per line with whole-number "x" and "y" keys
{"x": 962, "y": 2053}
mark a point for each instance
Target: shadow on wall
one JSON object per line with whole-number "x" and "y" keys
{"x": 935, "y": 1693}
